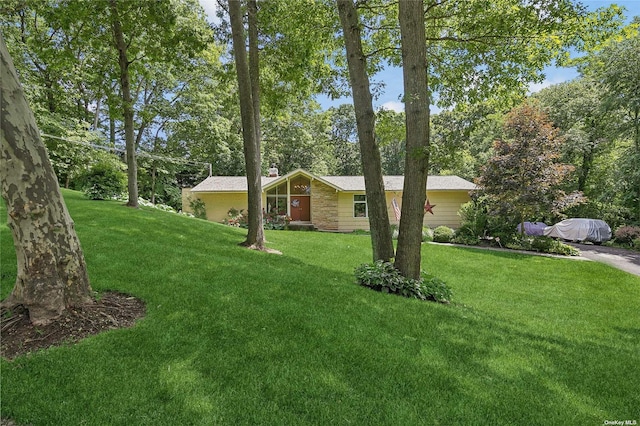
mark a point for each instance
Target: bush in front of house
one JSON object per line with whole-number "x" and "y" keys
{"x": 427, "y": 234}
{"x": 236, "y": 218}
{"x": 384, "y": 277}
{"x": 275, "y": 221}
{"x": 443, "y": 234}
{"x": 198, "y": 208}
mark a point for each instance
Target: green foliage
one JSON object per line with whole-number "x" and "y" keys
{"x": 427, "y": 234}
{"x": 443, "y": 234}
{"x": 198, "y": 208}
{"x": 474, "y": 219}
{"x": 542, "y": 245}
{"x": 236, "y": 218}
{"x": 524, "y": 178}
{"x": 275, "y": 221}
{"x": 466, "y": 239}
{"x": 105, "y": 179}
{"x": 384, "y": 277}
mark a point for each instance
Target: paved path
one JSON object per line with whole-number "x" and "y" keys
{"x": 627, "y": 260}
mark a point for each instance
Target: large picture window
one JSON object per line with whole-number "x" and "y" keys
{"x": 360, "y": 206}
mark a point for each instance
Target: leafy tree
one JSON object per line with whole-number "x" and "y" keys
{"x": 391, "y": 134}
{"x": 344, "y": 140}
{"x": 297, "y": 137}
{"x": 52, "y": 274}
{"x": 576, "y": 108}
{"x": 617, "y": 67}
{"x": 523, "y": 180}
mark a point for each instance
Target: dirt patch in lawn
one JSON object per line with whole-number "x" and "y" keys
{"x": 113, "y": 310}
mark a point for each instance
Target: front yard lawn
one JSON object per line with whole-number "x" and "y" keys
{"x": 233, "y": 336}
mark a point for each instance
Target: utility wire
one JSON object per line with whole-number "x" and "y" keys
{"x": 143, "y": 154}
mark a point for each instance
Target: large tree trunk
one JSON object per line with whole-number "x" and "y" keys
{"x": 255, "y": 234}
{"x": 416, "y": 169}
{"x": 254, "y": 65}
{"x": 365, "y": 121}
{"x": 52, "y": 273}
{"x": 127, "y": 106}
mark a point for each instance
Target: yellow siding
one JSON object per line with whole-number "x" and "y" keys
{"x": 218, "y": 204}
{"x": 445, "y": 212}
{"x": 346, "y": 221}
{"x": 339, "y": 218}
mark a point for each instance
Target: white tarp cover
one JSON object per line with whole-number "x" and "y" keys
{"x": 532, "y": 228}
{"x": 593, "y": 230}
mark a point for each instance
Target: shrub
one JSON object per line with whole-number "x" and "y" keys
{"x": 443, "y": 234}
{"x": 627, "y": 234}
{"x": 384, "y": 277}
{"x": 474, "y": 219}
{"x": 542, "y": 245}
{"x": 236, "y": 218}
{"x": 636, "y": 244}
{"x": 427, "y": 234}
{"x": 275, "y": 221}
{"x": 466, "y": 239}
{"x": 198, "y": 208}
{"x": 104, "y": 180}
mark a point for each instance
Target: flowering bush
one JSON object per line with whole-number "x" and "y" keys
{"x": 236, "y": 218}
{"x": 275, "y": 221}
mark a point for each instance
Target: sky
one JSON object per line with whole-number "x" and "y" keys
{"x": 392, "y": 76}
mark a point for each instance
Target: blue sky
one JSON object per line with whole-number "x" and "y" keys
{"x": 392, "y": 77}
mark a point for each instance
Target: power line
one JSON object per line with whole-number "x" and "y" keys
{"x": 143, "y": 154}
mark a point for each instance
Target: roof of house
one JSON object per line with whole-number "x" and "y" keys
{"x": 341, "y": 183}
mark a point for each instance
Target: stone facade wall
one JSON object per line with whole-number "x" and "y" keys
{"x": 324, "y": 206}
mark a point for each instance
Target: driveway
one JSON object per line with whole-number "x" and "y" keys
{"x": 627, "y": 260}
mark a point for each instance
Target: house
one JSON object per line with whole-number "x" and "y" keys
{"x": 330, "y": 203}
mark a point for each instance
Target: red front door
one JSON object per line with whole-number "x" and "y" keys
{"x": 300, "y": 208}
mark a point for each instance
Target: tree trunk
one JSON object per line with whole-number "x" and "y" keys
{"x": 381, "y": 240}
{"x": 52, "y": 274}
{"x": 416, "y": 169}
{"x": 254, "y": 65}
{"x": 127, "y": 106}
{"x": 255, "y": 234}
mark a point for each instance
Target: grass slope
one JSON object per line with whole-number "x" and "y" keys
{"x": 234, "y": 336}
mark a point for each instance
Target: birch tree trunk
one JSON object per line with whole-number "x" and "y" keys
{"x": 381, "y": 239}
{"x": 416, "y": 169}
{"x": 255, "y": 233}
{"x": 52, "y": 274}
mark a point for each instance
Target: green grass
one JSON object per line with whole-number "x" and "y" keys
{"x": 234, "y": 336}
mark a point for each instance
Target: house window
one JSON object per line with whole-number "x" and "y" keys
{"x": 360, "y": 206}
{"x": 277, "y": 199}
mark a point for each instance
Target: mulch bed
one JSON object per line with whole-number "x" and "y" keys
{"x": 113, "y": 310}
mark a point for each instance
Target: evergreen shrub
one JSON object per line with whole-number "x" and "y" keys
{"x": 443, "y": 234}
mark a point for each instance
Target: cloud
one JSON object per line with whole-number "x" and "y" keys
{"x": 393, "y": 106}
{"x": 210, "y": 7}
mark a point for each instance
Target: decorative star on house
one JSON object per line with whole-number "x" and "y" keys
{"x": 428, "y": 207}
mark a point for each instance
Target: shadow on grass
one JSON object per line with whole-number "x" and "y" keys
{"x": 238, "y": 337}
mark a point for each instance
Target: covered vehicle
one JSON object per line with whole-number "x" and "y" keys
{"x": 592, "y": 230}
{"x": 532, "y": 228}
